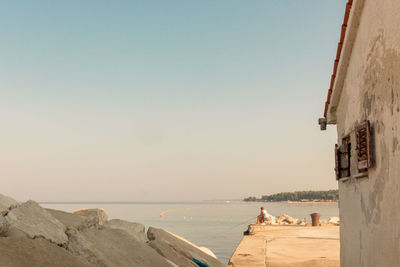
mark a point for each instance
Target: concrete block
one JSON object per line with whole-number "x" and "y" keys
{"x": 35, "y": 221}
{"x": 19, "y": 252}
{"x": 112, "y": 248}
{"x": 77, "y": 220}
{"x": 182, "y": 246}
{"x": 93, "y": 216}
{"x": 137, "y": 230}
{"x": 171, "y": 253}
{"x": 6, "y": 203}
{"x": 4, "y": 226}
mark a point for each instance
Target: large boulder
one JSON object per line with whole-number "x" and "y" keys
{"x": 169, "y": 252}
{"x": 137, "y": 230}
{"x": 6, "y": 203}
{"x": 93, "y": 216}
{"x": 35, "y": 221}
{"x": 160, "y": 239}
{"x": 112, "y": 247}
{"x": 18, "y": 252}
{"x": 77, "y": 220}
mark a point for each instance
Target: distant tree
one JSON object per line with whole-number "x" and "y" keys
{"x": 250, "y": 199}
{"x": 332, "y": 195}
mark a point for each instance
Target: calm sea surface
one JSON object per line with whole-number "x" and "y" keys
{"x": 218, "y": 225}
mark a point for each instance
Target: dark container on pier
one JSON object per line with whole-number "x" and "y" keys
{"x": 315, "y": 219}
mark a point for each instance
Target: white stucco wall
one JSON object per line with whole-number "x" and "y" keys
{"x": 370, "y": 207}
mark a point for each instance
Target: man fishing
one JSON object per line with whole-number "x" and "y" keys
{"x": 263, "y": 215}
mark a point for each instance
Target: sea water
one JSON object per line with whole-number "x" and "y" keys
{"x": 218, "y": 225}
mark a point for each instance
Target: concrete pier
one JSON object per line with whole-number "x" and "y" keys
{"x": 286, "y": 246}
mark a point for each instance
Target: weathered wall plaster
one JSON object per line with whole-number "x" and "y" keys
{"x": 370, "y": 207}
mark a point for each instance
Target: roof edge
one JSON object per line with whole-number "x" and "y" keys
{"x": 351, "y": 23}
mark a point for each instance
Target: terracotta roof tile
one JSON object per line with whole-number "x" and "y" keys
{"x": 338, "y": 53}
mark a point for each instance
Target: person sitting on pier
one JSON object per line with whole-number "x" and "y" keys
{"x": 263, "y": 215}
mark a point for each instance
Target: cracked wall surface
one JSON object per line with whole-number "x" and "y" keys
{"x": 370, "y": 207}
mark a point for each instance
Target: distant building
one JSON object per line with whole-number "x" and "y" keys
{"x": 364, "y": 103}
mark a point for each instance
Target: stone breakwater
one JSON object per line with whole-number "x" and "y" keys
{"x": 287, "y": 220}
{"x": 34, "y": 236}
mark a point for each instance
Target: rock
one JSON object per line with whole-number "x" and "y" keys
{"x": 112, "y": 247}
{"x": 137, "y": 230}
{"x": 18, "y": 252}
{"x": 74, "y": 220}
{"x": 272, "y": 220}
{"x": 208, "y": 251}
{"x": 6, "y": 203}
{"x": 171, "y": 253}
{"x": 4, "y": 226}
{"x": 159, "y": 239}
{"x": 334, "y": 220}
{"x": 286, "y": 219}
{"x": 15, "y": 232}
{"x": 302, "y": 222}
{"x": 35, "y": 221}
{"x": 93, "y": 216}
{"x": 171, "y": 263}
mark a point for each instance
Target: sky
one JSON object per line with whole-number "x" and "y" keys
{"x": 177, "y": 100}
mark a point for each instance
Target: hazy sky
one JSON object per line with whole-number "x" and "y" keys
{"x": 165, "y": 100}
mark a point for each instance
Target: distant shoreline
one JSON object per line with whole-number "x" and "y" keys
{"x": 326, "y": 196}
{"x": 312, "y": 202}
{"x": 296, "y": 202}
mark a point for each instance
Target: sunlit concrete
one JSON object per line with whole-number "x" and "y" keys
{"x": 289, "y": 246}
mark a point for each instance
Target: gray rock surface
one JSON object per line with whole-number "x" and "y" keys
{"x": 75, "y": 220}
{"x": 169, "y": 252}
{"x": 33, "y": 236}
{"x": 112, "y": 247}
{"x": 35, "y": 221}
{"x": 15, "y": 232}
{"x": 4, "y": 226}
{"x": 6, "y": 203}
{"x": 160, "y": 238}
{"x": 23, "y": 252}
{"x": 208, "y": 251}
{"x": 93, "y": 216}
{"x": 137, "y": 230}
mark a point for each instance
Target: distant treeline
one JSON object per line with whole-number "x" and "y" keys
{"x": 330, "y": 195}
